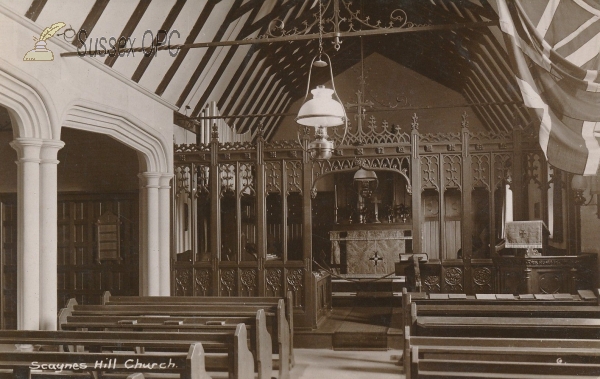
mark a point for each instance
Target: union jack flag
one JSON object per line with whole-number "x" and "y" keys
{"x": 554, "y": 49}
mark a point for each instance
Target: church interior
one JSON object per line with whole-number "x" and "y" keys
{"x": 271, "y": 188}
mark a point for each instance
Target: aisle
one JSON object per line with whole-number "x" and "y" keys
{"x": 320, "y": 363}
{"x": 355, "y": 328}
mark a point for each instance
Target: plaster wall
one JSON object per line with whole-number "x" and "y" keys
{"x": 387, "y": 80}
{"x": 590, "y": 226}
{"x": 88, "y": 163}
{"x": 67, "y": 81}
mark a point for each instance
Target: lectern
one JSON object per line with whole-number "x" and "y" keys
{"x": 526, "y": 235}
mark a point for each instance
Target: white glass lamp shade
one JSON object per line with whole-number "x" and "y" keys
{"x": 321, "y": 110}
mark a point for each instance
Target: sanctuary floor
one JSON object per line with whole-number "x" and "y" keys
{"x": 355, "y": 328}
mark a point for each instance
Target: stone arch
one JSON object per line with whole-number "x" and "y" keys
{"x": 29, "y": 104}
{"x": 153, "y": 150}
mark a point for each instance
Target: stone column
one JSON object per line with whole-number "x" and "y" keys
{"x": 48, "y": 233}
{"x": 149, "y": 210}
{"x": 28, "y": 232}
{"x": 143, "y": 282}
{"x": 164, "y": 228}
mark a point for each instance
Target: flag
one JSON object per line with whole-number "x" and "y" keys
{"x": 554, "y": 50}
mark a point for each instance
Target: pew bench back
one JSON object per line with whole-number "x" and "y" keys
{"x": 498, "y": 362}
{"x": 235, "y": 301}
{"x": 222, "y": 351}
{"x": 258, "y": 335}
{"x": 169, "y": 317}
{"x": 188, "y": 365}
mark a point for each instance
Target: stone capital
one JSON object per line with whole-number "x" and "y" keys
{"x": 150, "y": 179}
{"x": 28, "y": 149}
{"x": 165, "y": 181}
{"x": 50, "y": 150}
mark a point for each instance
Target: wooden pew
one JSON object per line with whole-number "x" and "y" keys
{"x": 501, "y": 310}
{"x": 443, "y": 322}
{"x": 196, "y": 317}
{"x": 543, "y": 321}
{"x": 525, "y": 327}
{"x": 505, "y": 306}
{"x": 258, "y": 335}
{"x": 223, "y": 351}
{"x": 270, "y": 302}
{"x": 503, "y": 362}
{"x": 188, "y": 365}
{"x": 494, "y": 349}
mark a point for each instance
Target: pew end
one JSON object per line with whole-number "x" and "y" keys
{"x": 71, "y": 303}
{"x": 283, "y": 341}
{"x": 290, "y": 315}
{"x": 264, "y": 346}
{"x": 105, "y": 297}
{"x": 244, "y": 364}
{"x": 196, "y": 364}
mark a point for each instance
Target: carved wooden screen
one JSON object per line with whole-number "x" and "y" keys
{"x": 252, "y": 233}
{"x": 245, "y": 186}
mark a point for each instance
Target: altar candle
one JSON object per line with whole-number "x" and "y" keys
{"x": 335, "y": 195}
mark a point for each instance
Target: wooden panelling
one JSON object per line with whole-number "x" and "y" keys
{"x": 80, "y": 274}
{"x": 8, "y": 255}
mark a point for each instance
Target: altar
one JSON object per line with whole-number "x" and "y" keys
{"x": 369, "y": 248}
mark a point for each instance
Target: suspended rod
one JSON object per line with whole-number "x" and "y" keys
{"x": 370, "y": 111}
{"x": 302, "y": 37}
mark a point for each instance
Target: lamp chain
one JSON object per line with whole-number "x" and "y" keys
{"x": 320, "y": 28}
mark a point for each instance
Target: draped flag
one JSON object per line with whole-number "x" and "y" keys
{"x": 554, "y": 50}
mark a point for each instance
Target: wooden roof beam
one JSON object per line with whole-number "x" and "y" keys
{"x": 250, "y": 27}
{"x": 167, "y": 24}
{"x": 129, "y": 28}
{"x": 191, "y": 37}
{"x": 487, "y": 119}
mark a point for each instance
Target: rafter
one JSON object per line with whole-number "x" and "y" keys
{"x": 91, "y": 20}
{"x": 249, "y": 28}
{"x": 166, "y": 25}
{"x": 35, "y": 9}
{"x": 200, "y": 22}
{"x": 209, "y": 53}
{"x": 132, "y": 23}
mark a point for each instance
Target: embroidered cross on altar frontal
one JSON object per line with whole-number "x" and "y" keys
{"x": 376, "y": 258}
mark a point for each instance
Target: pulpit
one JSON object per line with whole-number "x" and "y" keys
{"x": 369, "y": 248}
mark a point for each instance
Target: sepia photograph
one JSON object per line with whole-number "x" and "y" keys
{"x": 299, "y": 189}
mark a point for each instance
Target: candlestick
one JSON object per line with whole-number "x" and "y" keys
{"x": 335, "y": 194}
{"x": 376, "y": 202}
{"x": 335, "y": 208}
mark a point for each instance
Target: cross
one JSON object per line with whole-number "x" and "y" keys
{"x": 360, "y": 106}
{"x": 376, "y": 258}
{"x": 522, "y": 233}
